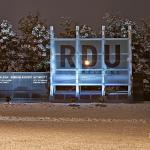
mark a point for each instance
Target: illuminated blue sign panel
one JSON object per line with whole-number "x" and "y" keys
{"x": 21, "y": 86}
{"x": 90, "y": 62}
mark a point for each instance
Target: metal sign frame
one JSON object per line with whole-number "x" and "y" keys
{"x": 77, "y": 69}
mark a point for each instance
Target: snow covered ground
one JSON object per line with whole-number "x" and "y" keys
{"x": 77, "y": 127}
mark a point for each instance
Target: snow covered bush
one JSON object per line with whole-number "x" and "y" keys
{"x": 34, "y": 43}
{"x": 145, "y": 29}
{"x": 69, "y": 29}
{"x": 87, "y": 32}
{"x": 8, "y": 48}
{"x": 68, "y": 26}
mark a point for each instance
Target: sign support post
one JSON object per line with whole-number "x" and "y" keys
{"x": 103, "y": 64}
{"x": 130, "y": 61}
{"x": 52, "y": 61}
{"x": 77, "y": 61}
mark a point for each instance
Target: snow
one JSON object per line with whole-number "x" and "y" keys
{"x": 66, "y": 127}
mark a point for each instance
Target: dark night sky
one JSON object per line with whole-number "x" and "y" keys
{"x": 84, "y": 11}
